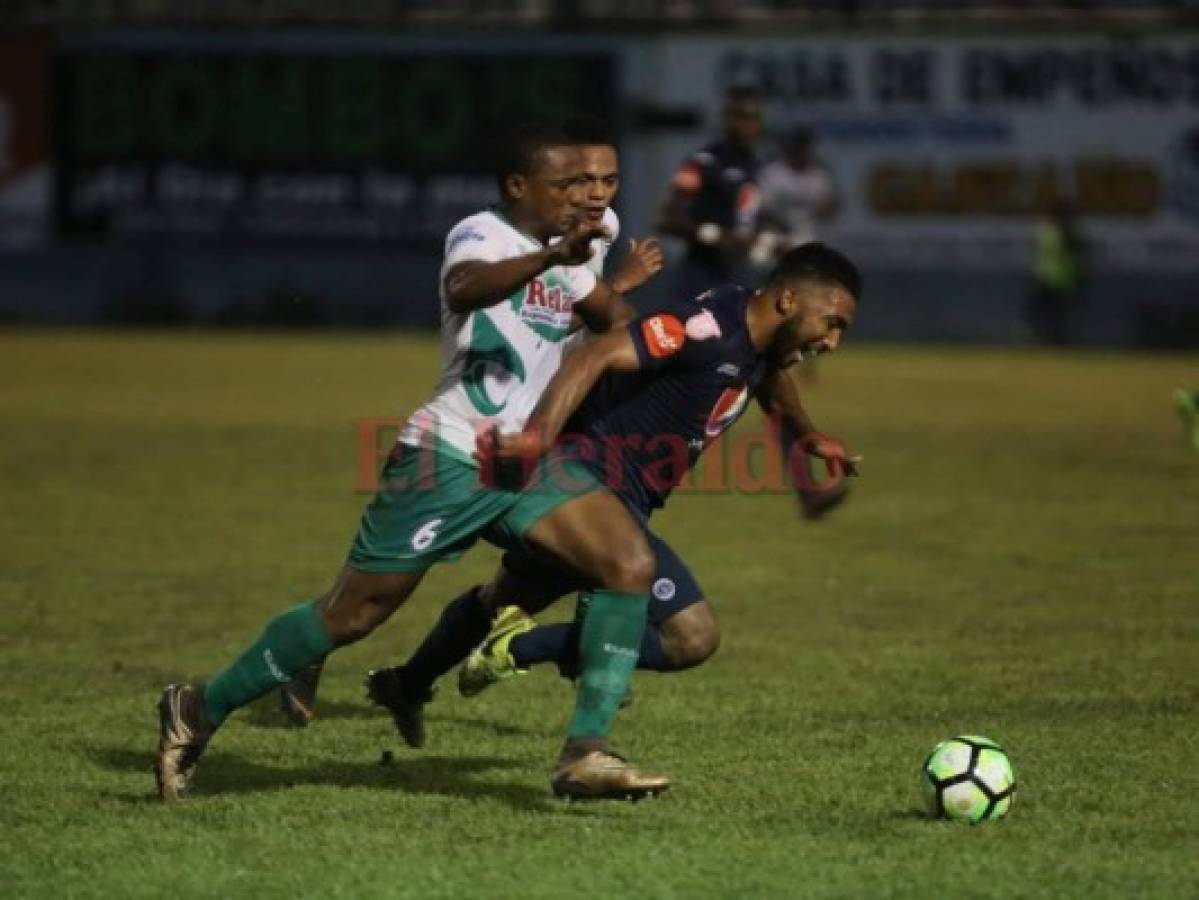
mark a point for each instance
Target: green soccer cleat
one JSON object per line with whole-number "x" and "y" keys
{"x": 1187, "y": 403}
{"x": 491, "y": 661}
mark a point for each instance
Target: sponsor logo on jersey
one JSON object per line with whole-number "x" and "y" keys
{"x": 730, "y": 405}
{"x": 664, "y": 335}
{"x": 664, "y": 589}
{"x": 730, "y": 369}
{"x": 703, "y": 326}
{"x": 546, "y": 304}
{"x": 462, "y": 236}
{"x": 545, "y": 296}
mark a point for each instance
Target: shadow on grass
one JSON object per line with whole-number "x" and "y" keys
{"x": 265, "y": 713}
{"x": 225, "y": 774}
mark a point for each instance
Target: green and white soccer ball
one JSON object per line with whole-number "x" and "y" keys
{"x": 968, "y": 779}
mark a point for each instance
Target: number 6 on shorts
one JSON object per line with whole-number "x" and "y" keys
{"x": 426, "y": 534}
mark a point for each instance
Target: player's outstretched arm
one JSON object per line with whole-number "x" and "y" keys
{"x": 779, "y": 399}
{"x": 475, "y": 284}
{"x": 613, "y": 352}
{"x": 604, "y": 309}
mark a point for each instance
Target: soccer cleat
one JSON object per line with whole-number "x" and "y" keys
{"x": 1187, "y": 403}
{"x": 406, "y": 703}
{"x": 298, "y": 697}
{"x": 491, "y": 661}
{"x": 602, "y": 775}
{"x": 182, "y": 736}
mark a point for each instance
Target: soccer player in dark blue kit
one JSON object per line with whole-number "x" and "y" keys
{"x": 714, "y": 200}
{"x": 638, "y": 407}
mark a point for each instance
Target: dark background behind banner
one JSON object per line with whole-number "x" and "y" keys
{"x": 300, "y": 145}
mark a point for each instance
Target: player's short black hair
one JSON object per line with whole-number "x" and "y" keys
{"x": 589, "y": 131}
{"x": 516, "y": 153}
{"x": 815, "y": 261}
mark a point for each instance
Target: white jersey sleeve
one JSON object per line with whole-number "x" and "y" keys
{"x": 496, "y": 361}
{"x": 480, "y": 237}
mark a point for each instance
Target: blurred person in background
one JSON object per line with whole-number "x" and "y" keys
{"x": 713, "y": 202}
{"x": 1057, "y": 276}
{"x": 797, "y": 191}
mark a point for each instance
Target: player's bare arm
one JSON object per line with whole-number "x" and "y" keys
{"x": 779, "y": 398}
{"x": 475, "y": 284}
{"x": 613, "y": 352}
{"x": 604, "y": 308}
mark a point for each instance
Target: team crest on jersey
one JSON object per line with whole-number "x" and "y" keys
{"x": 703, "y": 326}
{"x": 664, "y": 589}
{"x": 730, "y": 405}
{"x": 664, "y": 335}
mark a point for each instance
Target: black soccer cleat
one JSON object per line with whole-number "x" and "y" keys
{"x": 182, "y": 736}
{"x": 297, "y": 698}
{"x": 390, "y": 689}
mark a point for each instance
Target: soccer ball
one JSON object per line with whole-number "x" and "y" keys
{"x": 968, "y": 779}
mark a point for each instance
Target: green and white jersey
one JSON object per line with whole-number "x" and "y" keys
{"x": 496, "y": 361}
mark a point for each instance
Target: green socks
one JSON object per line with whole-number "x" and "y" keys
{"x": 608, "y": 647}
{"x": 291, "y": 641}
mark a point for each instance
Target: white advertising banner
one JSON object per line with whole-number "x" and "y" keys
{"x": 946, "y": 150}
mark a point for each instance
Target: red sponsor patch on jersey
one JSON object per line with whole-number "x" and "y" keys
{"x": 689, "y": 178}
{"x": 664, "y": 335}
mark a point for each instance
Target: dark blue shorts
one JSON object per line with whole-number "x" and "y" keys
{"x": 674, "y": 587}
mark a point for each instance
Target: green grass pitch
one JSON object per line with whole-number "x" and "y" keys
{"x": 1019, "y": 561}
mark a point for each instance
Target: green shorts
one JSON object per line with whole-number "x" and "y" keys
{"x": 431, "y": 507}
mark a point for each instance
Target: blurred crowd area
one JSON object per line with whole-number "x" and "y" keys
{"x": 1003, "y": 172}
{"x": 601, "y": 13}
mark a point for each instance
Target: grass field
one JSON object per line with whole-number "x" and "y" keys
{"x": 1019, "y": 561}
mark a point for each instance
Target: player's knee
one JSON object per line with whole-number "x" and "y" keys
{"x": 631, "y": 567}
{"x": 694, "y": 647}
{"x": 691, "y": 637}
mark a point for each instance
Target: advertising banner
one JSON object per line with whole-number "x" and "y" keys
{"x": 326, "y": 143}
{"x": 946, "y": 150}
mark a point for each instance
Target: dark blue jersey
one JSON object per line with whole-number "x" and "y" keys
{"x": 720, "y": 180}
{"x": 641, "y": 432}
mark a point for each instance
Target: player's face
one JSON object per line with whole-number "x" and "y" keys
{"x": 743, "y": 122}
{"x": 820, "y": 315}
{"x": 549, "y": 197}
{"x": 601, "y": 179}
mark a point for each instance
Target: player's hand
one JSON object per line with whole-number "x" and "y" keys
{"x": 832, "y": 450}
{"x": 574, "y": 247}
{"x": 643, "y": 262}
{"x": 507, "y": 460}
{"x": 819, "y": 496}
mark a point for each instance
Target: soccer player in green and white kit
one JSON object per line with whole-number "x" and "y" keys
{"x": 600, "y": 182}
{"x": 508, "y": 298}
